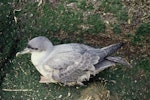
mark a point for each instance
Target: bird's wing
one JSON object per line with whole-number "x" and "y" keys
{"x": 76, "y": 63}
{"x": 73, "y": 64}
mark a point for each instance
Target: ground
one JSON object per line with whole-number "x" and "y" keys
{"x": 97, "y": 23}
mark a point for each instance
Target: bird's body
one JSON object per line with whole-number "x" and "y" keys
{"x": 69, "y": 64}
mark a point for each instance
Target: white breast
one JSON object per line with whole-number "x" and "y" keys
{"x": 37, "y": 57}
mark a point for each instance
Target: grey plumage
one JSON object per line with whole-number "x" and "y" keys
{"x": 72, "y": 63}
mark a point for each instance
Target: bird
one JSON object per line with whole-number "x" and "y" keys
{"x": 71, "y": 63}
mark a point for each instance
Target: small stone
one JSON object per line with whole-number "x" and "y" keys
{"x": 69, "y": 94}
{"x": 77, "y": 87}
{"x": 60, "y": 96}
{"x": 71, "y": 5}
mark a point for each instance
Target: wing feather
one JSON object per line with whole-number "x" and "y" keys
{"x": 74, "y": 71}
{"x": 73, "y": 64}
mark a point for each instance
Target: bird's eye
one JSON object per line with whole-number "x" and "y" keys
{"x": 30, "y": 47}
{"x": 35, "y": 48}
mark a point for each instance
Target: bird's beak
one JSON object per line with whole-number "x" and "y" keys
{"x": 26, "y": 50}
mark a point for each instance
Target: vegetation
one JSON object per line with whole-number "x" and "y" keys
{"x": 97, "y": 23}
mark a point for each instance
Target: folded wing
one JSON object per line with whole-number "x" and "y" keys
{"x": 75, "y": 65}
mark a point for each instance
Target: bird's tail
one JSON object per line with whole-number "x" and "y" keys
{"x": 119, "y": 60}
{"x": 110, "y": 61}
{"x": 112, "y": 48}
{"x": 107, "y": 51}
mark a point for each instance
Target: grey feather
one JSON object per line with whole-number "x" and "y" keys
{"x": 103, "y": 65}
{"x": 119, "y": 60}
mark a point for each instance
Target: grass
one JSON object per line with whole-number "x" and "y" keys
{"x": 83, "y": 24}
{"x": 115, "y": 7}
{"x": 116, "y": 28}
{"x": 134, "y": 80}
{"x": 144, "y": 29}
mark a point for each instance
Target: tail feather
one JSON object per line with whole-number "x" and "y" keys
{"x": 107, "y": 51}
{"x": 110, "y": 61}
{"x": 119, "y": 60}
{"x": 103, "y": 65}
{"x": 112, "y": 48}
{"x": 107, "y": 61}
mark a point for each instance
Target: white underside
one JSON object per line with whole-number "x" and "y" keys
{"x": 38, "y": 62}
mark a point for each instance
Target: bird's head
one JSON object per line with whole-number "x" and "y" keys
{"x": 37, "y": 44}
